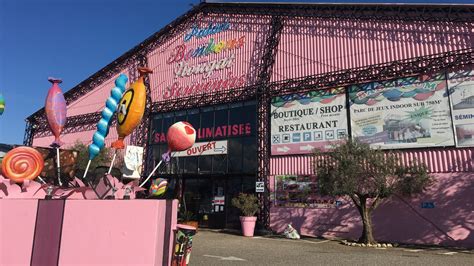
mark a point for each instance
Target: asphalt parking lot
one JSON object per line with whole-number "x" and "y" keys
{"x": 214, "y": 248}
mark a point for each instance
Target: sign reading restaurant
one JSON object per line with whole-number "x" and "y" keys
{"x": 302, "y": 122}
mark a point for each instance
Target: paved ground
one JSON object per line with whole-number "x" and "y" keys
{"x": 212, "y": 248}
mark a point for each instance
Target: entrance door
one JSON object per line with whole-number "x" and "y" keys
{"x": 218, "y": 210}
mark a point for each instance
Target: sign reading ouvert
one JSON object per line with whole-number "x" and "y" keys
{"x": 204, "y": 148}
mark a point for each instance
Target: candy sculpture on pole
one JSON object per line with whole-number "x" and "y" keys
{"x": 98, "y": 139}
{"x": 22, "y": 163}
{"x": 131, "y": 108}
{"x": 158, "y": 187}
{"x": 130, "y": 111}
{"x": 180, "y": 137}
{"x": 2, "y": 104}
{"x": 55, "y": 108}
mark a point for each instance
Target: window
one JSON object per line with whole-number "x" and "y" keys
{"x": 235, "y": 123}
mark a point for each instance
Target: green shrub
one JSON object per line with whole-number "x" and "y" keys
{"x": 247, "y": 203}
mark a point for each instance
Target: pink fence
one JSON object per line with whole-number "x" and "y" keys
{"x": 438, "y": 160}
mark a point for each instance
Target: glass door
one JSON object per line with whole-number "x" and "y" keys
{"x": 218, "y": 209}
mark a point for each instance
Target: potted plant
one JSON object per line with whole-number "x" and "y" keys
{"x": 248, "y": 205}
{"x": 188, "y": 218}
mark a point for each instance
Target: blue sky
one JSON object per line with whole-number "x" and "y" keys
{"x": 72, "y": 39}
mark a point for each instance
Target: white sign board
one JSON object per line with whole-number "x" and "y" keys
{"x": 133, "y": 161}
{"x": 259, "y": 187}
{"x": 405, "y": 113}
{"x": 461, "y": 89}
{"x": 204, "y": 148}
{"x": 302, "y": 122}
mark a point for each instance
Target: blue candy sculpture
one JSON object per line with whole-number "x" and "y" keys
{"x": 98, "y": 140}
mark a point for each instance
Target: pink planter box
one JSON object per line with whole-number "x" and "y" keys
{"x": 86, "y": 232}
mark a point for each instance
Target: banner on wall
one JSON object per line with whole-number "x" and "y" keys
{"x": 302, "y": 122}
{"x": 461, "y": 89}
{"x": 404, "y": 113}
{"x": 300, "y": 191}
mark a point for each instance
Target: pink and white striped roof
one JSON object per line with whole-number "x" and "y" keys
{"x": 308, "y": 46}
{"x": 311, "y": 46}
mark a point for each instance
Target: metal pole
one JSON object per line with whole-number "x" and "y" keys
{"x": 112, "y": 164}
{"x": 87, "y": 169}
{"x": 152, "y": 172}
{"x": 59, "y": 166}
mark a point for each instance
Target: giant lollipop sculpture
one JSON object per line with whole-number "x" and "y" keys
{"x": 98, "y": 139}
{"x": 22, "y": 163}
{"x": 55, "y": 108}
{"x": 180, "y": 136}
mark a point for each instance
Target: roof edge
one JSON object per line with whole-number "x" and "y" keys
{"x": 338, "y": 3}
{"x": 205, "y": 6}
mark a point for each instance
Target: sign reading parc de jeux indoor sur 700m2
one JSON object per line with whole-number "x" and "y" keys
{"x": 203, "y": 62}
{"x": 403, "y": 113}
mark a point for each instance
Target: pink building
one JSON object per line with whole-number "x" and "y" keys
{"x": 268, "y": 83}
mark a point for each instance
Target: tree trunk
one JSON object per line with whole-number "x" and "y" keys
{"x": 366, "y": 215}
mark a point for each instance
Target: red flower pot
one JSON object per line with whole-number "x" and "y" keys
{"x": 248, "y": 225}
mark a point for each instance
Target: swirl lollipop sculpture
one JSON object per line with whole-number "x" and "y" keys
{"x": 158, "y": 187}
{"x": 22, "y": 163}
{"x": 180, "y": 137}
{"x": 98, "y": 139}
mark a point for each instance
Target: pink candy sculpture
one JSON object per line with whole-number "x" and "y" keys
{"x": 181, "y": 136}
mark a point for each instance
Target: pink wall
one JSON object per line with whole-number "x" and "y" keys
{"x": 108, "y": 232}
{"x": 451, "y": 222}
{"x": 93, "y": 232}
{"x": 401, "y": 220}
{"x": 94, "y": 101}
{"x": 310, "y": 46}
{"x": 17, "y": 228}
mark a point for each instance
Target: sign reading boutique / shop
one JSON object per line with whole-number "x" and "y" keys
{"x": 404, "y": 113}
{"x": 302, "y": 122}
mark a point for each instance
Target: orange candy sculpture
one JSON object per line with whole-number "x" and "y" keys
{"x": 22, "y": 163}
{"x": 131, "y": 108}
